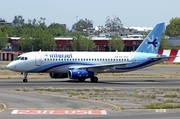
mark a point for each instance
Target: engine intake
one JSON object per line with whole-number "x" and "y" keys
{"x": 80, "y": 74}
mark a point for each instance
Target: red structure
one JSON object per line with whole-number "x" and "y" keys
{"x": 9, "y": 56}
{"x": 64, "y": 44}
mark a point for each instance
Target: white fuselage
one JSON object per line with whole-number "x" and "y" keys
{"x": 62, "y": 62}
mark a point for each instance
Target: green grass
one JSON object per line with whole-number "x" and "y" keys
{"x": 162, "y": 106}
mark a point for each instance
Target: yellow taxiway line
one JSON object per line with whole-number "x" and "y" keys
{"x": 4, "y": 107}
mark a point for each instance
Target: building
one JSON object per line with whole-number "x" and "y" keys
{"x": 174, "y": 41}
{"x": 3, "y": 22}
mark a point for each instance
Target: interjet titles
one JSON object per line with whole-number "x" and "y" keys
{"x": 60, "y": 55}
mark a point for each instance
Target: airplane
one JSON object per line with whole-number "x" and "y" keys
{"x": 84, "y": 65}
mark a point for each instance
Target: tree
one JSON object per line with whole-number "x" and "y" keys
{"x": 116, "y": 43}
{"x": 43, "y": 40}
{"x": 82, "y": 24}
{"x": 36, "y": 40}
{"x": 57, "y": 29}
{"x": 7, "y": 30}
{"x": 26, "y": 43}
{"x": 18, "y": 21}
{"x": 3, "y": 40}
{"x": 113, "y": 24}
{"x": 81, "y": 43}
{"x": 173, "y": 29}
{"x": 164, "y": 43}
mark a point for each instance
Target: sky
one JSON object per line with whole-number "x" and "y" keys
{"x": 133, "y": 13}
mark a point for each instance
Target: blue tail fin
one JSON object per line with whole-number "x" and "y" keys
{"x": 152, "y": 42}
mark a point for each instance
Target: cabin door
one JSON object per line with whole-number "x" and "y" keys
{"x": 38, "y": 60}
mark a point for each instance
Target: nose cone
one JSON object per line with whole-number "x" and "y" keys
{"x": 10, "y": 66}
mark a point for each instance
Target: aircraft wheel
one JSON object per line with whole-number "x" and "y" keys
{"x": 94, "y": 79}
{"x": 25, "y": 80}
{"x": 81, "y": 80}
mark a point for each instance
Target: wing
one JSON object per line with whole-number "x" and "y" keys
{"x": 98, "y": 65}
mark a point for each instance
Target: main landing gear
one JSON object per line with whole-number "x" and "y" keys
{"x": 25, "y": 77}
{"x": 81, "y": 80}
{"x": 94, "y": 79}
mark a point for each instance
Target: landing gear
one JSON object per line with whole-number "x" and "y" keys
{"x": 81, "y": 80}
{"x": 25, "y": 80}
{"x": 94, "y": 79}
{"x": 25, "y": 77}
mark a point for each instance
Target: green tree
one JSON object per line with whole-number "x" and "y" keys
{"x": 164, "y": 43}
{"x": 57, "y": 29}
{"x": 8, "y": 31}
{"x": 3, "y": 40}
{"x": 43, "y": 40}
{"x": 113, "y": 24}
{"x": 26, "y": 43}
{"x": 81, "y": 43}
{"x": 82, "y": 24}
{"x": 18, "y": 21}
{"x": 116, "y": 43}
{"x": 173, "y": 29}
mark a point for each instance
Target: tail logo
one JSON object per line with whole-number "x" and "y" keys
{"x": 152, "y": 42}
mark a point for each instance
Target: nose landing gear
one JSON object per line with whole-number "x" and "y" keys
{"x": 25, "y": 77}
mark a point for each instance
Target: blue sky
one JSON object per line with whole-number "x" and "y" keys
{"x": 138, "y": 13}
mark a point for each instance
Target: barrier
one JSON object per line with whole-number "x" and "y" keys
{"x": 171, "y": 53}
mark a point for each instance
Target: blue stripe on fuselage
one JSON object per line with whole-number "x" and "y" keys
{"x": 148, "y": 62}
{"x": 47, "y": 67}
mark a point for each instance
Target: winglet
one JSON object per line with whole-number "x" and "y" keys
{"x": 152, "y": 42}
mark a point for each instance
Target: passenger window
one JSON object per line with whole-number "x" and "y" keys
{"x": 26, "y": 58}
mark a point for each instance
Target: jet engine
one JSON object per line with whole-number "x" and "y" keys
{"x": 80, "y": 74}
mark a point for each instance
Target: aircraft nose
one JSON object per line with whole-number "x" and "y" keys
{"x": 10, "y": 66}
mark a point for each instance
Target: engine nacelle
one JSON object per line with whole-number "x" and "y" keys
{"x": 58, "y": 75}
{"x": 80, "y": 74}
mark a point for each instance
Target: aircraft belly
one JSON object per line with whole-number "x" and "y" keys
{"x": 61, "y": 69}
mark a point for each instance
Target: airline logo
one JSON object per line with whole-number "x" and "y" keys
{"x": 57, "y": 55}
{"x": 152, "y": 42}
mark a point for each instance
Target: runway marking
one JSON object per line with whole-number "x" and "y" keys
{"x": 63, "y": 112}
{"x": 4, "y": 107}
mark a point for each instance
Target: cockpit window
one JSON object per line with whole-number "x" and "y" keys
{"x": 18, "y": 58}
{"x": 22, "y": 58}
